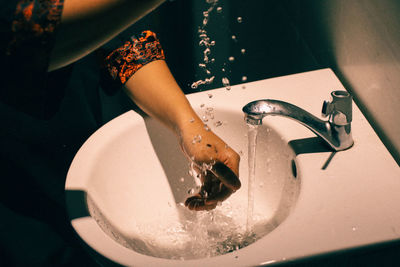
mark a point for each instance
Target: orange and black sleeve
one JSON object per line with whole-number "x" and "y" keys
{"x": 135, "y": 53}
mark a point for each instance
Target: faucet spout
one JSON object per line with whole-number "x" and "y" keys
{"x": 336, "y": 131}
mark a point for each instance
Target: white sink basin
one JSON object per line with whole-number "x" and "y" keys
{"x": 132, "y": 176}
{"x": 139, "y": 177}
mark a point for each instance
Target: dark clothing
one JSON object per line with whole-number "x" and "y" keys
{"x": 45, "y": 118}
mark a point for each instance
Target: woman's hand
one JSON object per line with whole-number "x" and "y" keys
{"x": 155, "y": 91}
{"x": 214, "y": 161}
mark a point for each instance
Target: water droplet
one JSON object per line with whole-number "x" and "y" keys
{"x": 206, "y": 127}
{"x": 210, "y": 80}
{"x": 244, "y": 78}
{"x": 200, "y": 82}
{"x": 194, "y": 85}
{"x": 240, "y": 153}
{"x": 354, "y": 228}
{"x": 231, "y": 59}
{"x": 218, "y": 123}
{"x": 190, "y": 191}
{"x": 212, "y": 43}
{"x": 239, "y": 19}
{"x": 243, "y": 87}
{"x": 210, "y": 95}
{"x": 196, "y": 139}
{"x": 191, "y": 120}
{"x": 242, "y": 50}
{"x": 202, "y": 105}
{"x": 226, "y": 83}
{"x": 204, "y": 118}
{"x": 182, "y": 179}
{"x": 223, "y": 69}
{"x": 233, "y": 37}
{"x": 219, "y": 9}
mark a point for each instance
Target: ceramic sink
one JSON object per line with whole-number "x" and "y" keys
{"x": 126, "y": 184}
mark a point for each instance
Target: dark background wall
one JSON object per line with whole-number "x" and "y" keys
{"x": 360, "y": 41}
{"x": 272, "y": 45}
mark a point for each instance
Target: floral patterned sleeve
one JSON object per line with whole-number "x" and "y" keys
{"x": 124, "y": 61}
{"x": 35, "y": 21}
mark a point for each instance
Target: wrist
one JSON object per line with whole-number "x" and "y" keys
{"x": 187, "y": 121}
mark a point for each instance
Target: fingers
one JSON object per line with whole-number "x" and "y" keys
{"x": 212, "y": 192}
{"x": 223, "y": 194}
{"x": 226, "y": 176}
{"x": 198, "y": 203}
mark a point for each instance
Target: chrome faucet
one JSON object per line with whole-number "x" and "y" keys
{"x": 336, "y": 131}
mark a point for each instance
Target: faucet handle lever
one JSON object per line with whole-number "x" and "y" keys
{"x": 339, "y": 107}
{"x": 327, "y": 108}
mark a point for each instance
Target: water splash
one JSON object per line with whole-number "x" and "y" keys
{"x": 207, "y": 43}
{"x": 200, "y": 235}
{"x": 201, "y": 82}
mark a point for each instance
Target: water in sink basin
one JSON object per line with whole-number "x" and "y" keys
{"x": 136, "y": 198}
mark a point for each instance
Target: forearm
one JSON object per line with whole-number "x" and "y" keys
{"x": 154, "y": 89}
{"x": 86, "y": 25}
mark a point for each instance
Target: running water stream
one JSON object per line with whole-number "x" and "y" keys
{"x": 252, "y": 141}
